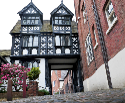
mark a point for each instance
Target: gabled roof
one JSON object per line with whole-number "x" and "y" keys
{"x": 30, "y": 4}
{"x": 61, "y": 6}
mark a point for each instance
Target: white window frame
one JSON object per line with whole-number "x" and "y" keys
{"x": 96, "y": 44}
{"x": 84, "y": 13}
{"x": 88, "y": 45}
{"x": 110, "y": 24}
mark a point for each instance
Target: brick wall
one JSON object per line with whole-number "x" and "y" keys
{"x": 115, "y": 40}
{"x": 55, "y": 77}
{"x": 68, "y": 81}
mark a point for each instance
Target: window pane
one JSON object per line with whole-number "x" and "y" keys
{"x": 56, "y": 17}
{"x": 33, "y": 17}
{"x": 62, "y": 17}
{"x": 67, "y": 22}
{"x": 57, "y": 41}
{"x": 24, "y": 17}
{"x": 28, "y": 21}
{"x": 36, "y": 21}
{"x": 67, "y": 41}
{"x": 25, "y": 41}
{"x": 67, "y": 51}
{"x": 29, "y": 65}
{"x": 56, "y": 21}
{"x": 32, "y": 21}
{"x": 62, "y": 41}
{"x": 24, "y": 21}
{"x": 29, "y": 18}
{"x": 35, "y": 64}
{"x": 37, "y": 17}
{"x": 25, "y": 51}
{"x": 30, "y": 41}
{"x": 34, "y": 51}
{"x": 58, "y": 51}
{"x": 35, "y": 41}
{"x": 60, "y": 21}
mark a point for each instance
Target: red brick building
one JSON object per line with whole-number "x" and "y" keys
{"x": 101, "y": 27}
{"x": 68, "y": 86}
{"x": 57, "y": 80}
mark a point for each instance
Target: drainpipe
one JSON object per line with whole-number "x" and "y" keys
{"x": 102, "y": 43}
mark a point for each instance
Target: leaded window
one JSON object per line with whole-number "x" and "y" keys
{"x": 62, "y": 20}
{"x": 89, "y": 51}
{"x": 62, "y": 40}
{"x": 62, "y": 44}
{"x": 30, "y": 41}
{"x": 31, "y": 64}
{"x": 110, "y": 15}
{"x": 31, "y": 20}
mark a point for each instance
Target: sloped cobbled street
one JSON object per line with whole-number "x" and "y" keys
{"x": 102, "y": 96}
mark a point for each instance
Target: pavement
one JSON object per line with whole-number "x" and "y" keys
{"x": 100, "y": 96}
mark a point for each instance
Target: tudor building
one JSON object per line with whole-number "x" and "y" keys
{"x": 50, "y": 44}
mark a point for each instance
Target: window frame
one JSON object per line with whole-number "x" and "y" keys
{"x": 84, "y": 13}
{"x": 89, "y": 59}
{"x": 108, "y": 17}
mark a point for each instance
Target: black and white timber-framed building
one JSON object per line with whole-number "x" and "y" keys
{"x": 50, "y": 44}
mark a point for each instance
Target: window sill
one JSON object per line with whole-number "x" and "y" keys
{"x": 111, "y": 26}
{"x": 96, "y": 46}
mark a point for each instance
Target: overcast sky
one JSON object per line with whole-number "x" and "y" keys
{"x": 9, "y": 16}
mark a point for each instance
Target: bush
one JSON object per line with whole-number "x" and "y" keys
{"x": 14, "y": 72}
{"x": 44, "y": 91}
{"x": 34, "y": 73}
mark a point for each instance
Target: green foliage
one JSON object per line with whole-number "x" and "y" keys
{"x": 57, "y": 93}
{"x": 34, "y": 73}
{"x": 44, "y": 91}
{"x": 0, "y": 79}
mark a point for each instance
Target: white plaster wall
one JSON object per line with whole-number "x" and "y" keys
{"x": 61, "y": 84}
{"x": 8, "y": 59}
{"x": 41, "y": 79}
{"x": 117, "y": 70}
{"x": 97, "y": 81}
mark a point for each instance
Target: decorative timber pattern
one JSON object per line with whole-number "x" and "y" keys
{"x": 16, "y": 46}
{"x": 46, "y": 43}
{"x": 75, "y": 43}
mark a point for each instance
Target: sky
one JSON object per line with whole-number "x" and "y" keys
{"x": 9, "y": 16}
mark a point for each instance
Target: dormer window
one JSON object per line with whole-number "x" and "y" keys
{"x": 31, "y": 20}
{"x": 62, "y": 20}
